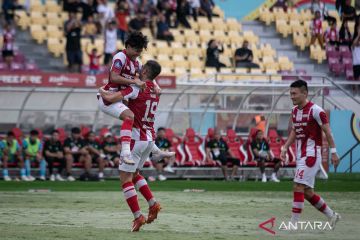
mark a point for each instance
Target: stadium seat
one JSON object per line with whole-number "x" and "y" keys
{"x": 283, "y": 28}
{"x": 195, "y": 153}
{"x": 266, "y": 15}
{"x": 251, "y": 37}
{"x": 55, "y": 46}
{"x": 62, "y": 134}
{"x": 176, "y": 144}
{"x": 197, "y": 73}
{"x": 275, "y": 143}
{"x": 23, "y": 20}
{"x": 234, "y": 143}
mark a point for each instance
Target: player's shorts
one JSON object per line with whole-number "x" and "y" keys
{"x": 7, "y": 53}
{"x": 307, "y": 168}
{"x": 114, "y": 110}
{"x": 140, "y": 153}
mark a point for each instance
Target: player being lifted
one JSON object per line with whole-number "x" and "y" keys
{"x": 143, "y": 104}
{"x": 123, "y": 72}
{"x": 308, "y": 122}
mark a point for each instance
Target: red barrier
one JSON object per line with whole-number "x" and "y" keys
{"x": 41, "y": 79}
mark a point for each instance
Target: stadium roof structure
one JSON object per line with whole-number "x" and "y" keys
{"x": 196, "y": 104}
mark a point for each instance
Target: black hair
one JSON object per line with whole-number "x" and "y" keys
{"x": 299, "y": 84}
{"x": 161, "y": 129}
{"x": 89, "y": 133}
{"x": 210, "y": 42}
{"x": 137, "y": 40}
{"x": 154, "y": 69}
{"x": 10, "y": 134}
{"x": 75, "y": 130}
{"x": 54, "y": 131}
{"x": 34, "y": 132}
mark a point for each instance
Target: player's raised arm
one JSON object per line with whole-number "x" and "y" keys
{"x": 330, "y": 139}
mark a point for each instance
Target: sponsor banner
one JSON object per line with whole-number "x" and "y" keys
{"x": 41, "y": 79}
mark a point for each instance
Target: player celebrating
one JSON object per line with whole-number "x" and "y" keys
{"x": 125, "y": 66}
{"x": 143, "y": 104}
{"x": 308, "y": 120}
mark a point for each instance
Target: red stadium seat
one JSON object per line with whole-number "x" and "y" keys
{"x": 103, "y": 131}
{"x": 210, "y": 135}
{"x": 41, "y": 135}
{"x": 85, "y": 131}
{"x": 247, "y": 151}
{"x": 193, "y": 148}
{"x": 234, "y": 143}
{"x": 18, "y": 135}
{"x": 62, "y": 135}
{"x": 176, "y": 143}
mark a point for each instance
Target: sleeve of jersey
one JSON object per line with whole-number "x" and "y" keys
{"x": 320, "y": 116}
{"x": 118, "y": 63}
{"x": 130, "y": 93}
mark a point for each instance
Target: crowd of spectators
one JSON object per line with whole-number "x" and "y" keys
{"x": 97, "y": 18}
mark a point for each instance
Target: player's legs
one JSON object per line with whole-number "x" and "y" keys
{"x": 27, "y": 164}
{"x": 127, "y": 116}
{"x": 42, "y": 168}
{"x": 261, "y": 165}
{"x": 277, "y": 165}
{"x": 236, "y": 164}
{"x": 101, "y": 162}
{"x": 21, "y": 164}
{"x": 5, "y": 168}
{"x": 298, "y": 201}
{"x": 85, "y": 159}
{"x": 69, "y": 159}
{"x": 159, "y": 154}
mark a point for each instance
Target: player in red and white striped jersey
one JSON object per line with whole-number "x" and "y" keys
{"x": 123, "y": 72}
{"x": 143, "y": 104}
{"x": 8, "y": 44}
{"x": 309, "y": 121}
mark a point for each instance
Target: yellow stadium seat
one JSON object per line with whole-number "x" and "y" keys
{"x": 210, "y": 70}
{"x": 163, "y": 57}
{"x": 181, "y": 64}
{"x": 279, "y": 14}
{"x": 165, "y": 71}
{"x": 283, "y": 28}
{"x": 178, "y": 57}
{"x": 220, "y": 26}
{"x": 293, "y": 14}
{"x": 37, "y": 8}
{"x": 55, "y": 46}
{"x": 23, "y": 20}
{"x": 266, "y": 15}
{"x": 285, "y": 64}
{"x": 194, "y": 25}
{"x": 38, "y": 34}
{"x": 165, "y": 50}
{"x": 305, "y": 15}
{"x": 217, "y": 10}
{"x": 195, "y": 39}
{"x": 152, "y": 51}
{"x": 119, "y": 45}
{"x": 195, "y": 51}
{"x": 146, "y": 57}
{"x": 228, "y": 74}
{"x": 166, "y": 63}
{"x": 197, "y": 73}
{"x": 275, "y": 76}
{"x": 179, "y": 51}
{"x": 180, "y": 71}
{"x": 258, "y": 77}
{"x": 251, "y": 37}
{"x": 317, "y": 53}
{"x": 196, "y": 64}
{"x": 52, "y": 6}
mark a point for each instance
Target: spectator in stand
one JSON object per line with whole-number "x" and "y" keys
{"x": 53, "y": 152}
{"x": 75, "y": 151}
{"x": 95, "y": 151}
{"x": 332, "y": 35}
{"x": 137, "y": 23}
{"x": 73, "y": 48}
{"x": 111, "y": 150}
{"x": 212, "y": 54}
{"x": 11, "y": 151}
{"x": 73, "y": 6}
{"x": 87, "y": 9}
{"x": 168, "y": 8}
{"x": 317, "y": 5}
{"x": 8, "y": 8}
{"x": 316, "y": 30}
{"x": 357, "y": 5}
{"x": 106, "y": 14}
{"x": 163, "y": 30}
{"x": 244, "y": 57}
{"x": 339, "y": 5}
{"x": 110, "y": 42}
{"x": 280, "y": 4}
{"x": 218, "y": 150}
{"x": 94, "y": 65}
{"x": 182, "y": 9}
{"x": 90, "y": 29}
{"x": 121, "y": 13}
{"x": 8, "y": 45}
{"x": 33, "y": 153}
{"x": 206, "y": 8}
{"x": 348, "y": 12}
{"x": 356, "y": 57}
{"x": 195, "y": 8}
{"x": 345, "y": 37}
{"x": 163, "y": 144}
{"x": 261, "y": 150}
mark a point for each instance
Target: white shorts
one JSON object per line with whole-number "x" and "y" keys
{"x": 307, "y": 168}
{"x": 140, "y": 153}
{"x": 114, "y": 110}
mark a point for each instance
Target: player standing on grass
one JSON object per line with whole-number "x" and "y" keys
{"x": 123, "y": 72}
{"x": 309, "y": 120}
{"x": 143, "y": 104}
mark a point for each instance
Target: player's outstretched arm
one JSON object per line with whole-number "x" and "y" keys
{"x": 288, "y": 143}
{"x": 115, "y": 78}
{"x": 330, "y": 139}
{"x": 111, "y": 97}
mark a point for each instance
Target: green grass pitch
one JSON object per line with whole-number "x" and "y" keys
{"x": 226, "y": 210}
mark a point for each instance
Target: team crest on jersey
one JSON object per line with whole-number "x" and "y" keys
{"x": 117, "y": 64}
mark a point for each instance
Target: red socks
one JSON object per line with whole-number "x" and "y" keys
{"x": 131, "y": 198}
{"x": 320, "y": 205}
{"x": 144, "y": 189}
{"x": 298, "y": 205}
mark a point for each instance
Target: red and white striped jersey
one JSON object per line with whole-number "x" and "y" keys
{"x": 8, "y": 39}
{"x": 125, "y": 67}
{"x": 143, "y": 104}
{"x": 307, "y": 124}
